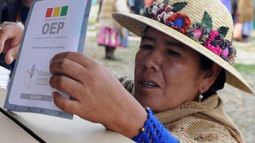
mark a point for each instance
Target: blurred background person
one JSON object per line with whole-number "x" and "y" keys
{"x": 16, "y": 10}
{"x": 253, "y": 14}
{"x": 2, "y": 7}
{"x": 243, "y": 18}
{"x": 136, "y": 6}
{"x": 24, "y": 10}
{"x": 110, "y": 34}
{"x": 9, "y": 10}
{"x": 99, "y": 2}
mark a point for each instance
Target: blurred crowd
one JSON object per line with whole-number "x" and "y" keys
{"x": 110, "y": 36}
{"x": 243, "y": 16}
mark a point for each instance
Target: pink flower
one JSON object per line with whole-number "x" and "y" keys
{"x": 225, "y": 52}
{"x": 213, "y": 35}
{"x": 197, "y": 33}
{"x": 217, "y": 50}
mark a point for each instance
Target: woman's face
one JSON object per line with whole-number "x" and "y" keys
{"x": 167, "y": 72}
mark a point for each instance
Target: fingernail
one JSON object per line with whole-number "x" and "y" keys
{"x": 11, "y": 59}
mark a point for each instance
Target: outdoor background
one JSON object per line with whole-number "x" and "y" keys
{"x": 239, "y": 105}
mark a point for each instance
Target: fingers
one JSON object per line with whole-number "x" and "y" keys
{"x": 76, "y": 57}
{"x": 10, "y": 37}
{"x": 67, "y": 85}
{"x": 11, "y": 55}
{"x": 67, "y": 105}
{"x": 4, "y": 35}
{"x": 69, "y": 68}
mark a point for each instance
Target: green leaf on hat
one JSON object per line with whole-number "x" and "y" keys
{"x": 179, "y": 6}
{"x": 207, "y": 21}
{"x": 223, "y": 31}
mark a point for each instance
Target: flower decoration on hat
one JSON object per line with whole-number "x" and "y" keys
{"x": 202, "y": 32}
{"x": 179, "y": 22}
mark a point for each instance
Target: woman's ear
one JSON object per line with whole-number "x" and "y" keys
{"x": 209, "y": 77}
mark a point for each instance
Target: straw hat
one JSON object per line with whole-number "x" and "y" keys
{"x": 204, "y": 25}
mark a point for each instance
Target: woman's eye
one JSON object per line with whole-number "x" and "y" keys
{"x": 173, "y": 53}
{"x": 146, "y": 46}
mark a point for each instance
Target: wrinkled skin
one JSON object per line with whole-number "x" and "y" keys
{"x": 99, "y": 95}
{"x": 171, "y": 67}
{"x": 165, "y": 77}
{"x": 167, "y": 72}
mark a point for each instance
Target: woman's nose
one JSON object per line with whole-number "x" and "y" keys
{"x": 153, "y": 61}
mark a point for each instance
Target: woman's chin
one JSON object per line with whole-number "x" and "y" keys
{"x": 147, "y": 99}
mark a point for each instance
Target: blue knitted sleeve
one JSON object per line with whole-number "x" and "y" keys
{"x": 154, "y": 132}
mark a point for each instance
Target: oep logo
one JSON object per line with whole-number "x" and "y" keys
{"x": 54, "y": 27}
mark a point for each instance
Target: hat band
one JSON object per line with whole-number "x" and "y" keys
{"x": 201, "y": 32}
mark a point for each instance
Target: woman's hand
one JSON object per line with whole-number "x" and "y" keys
{"x": 10, "y": 38}
{"x": 99, "y": 96}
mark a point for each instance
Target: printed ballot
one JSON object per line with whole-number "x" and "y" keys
{"x": 53, "y": 26}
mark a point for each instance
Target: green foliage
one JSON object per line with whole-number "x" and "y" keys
{"x": 223, "y": 31}
{"x": 207, "y": 21}
{"x": 179, "y": 6}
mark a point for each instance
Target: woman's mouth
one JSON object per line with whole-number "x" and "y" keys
{"x": 149, "y": 84}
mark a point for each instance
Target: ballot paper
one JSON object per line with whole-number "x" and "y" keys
{"x": 4, "y": 77}
{"x": 53, "y": 26}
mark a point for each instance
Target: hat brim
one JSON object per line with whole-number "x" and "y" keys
{"x": 137, "y": 24}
